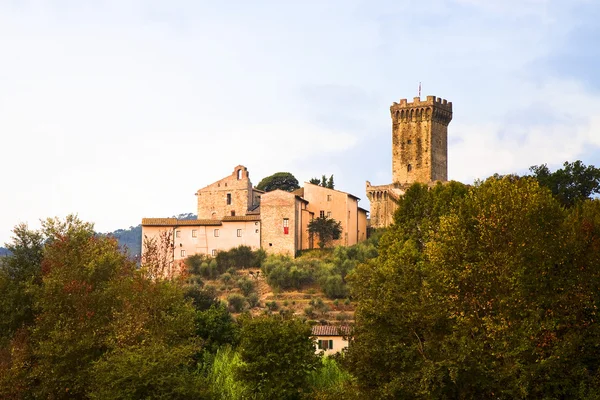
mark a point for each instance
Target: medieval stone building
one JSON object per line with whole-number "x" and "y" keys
{"x": 231, "y": 212}
{"x": 419, "y": 153}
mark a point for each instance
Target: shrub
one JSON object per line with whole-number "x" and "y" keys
{"x": 285, "y": 273}
{"x": 226, "y": 278}
{"x": 253, "y": 300}
{"x": 237, "y": 302}
{"x": 272, "y": 305}
{"x": 246, "y": 286}
{"x": 194, "y": 263}
{"x": 333, "y": 286}
{"x": 309, "y": 312}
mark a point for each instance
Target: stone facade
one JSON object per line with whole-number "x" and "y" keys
{"x": 232, "y": 213}
{"x": 281, "y": 220}
{"x": 419, "y": 153}
{"x": 230, "y": 196}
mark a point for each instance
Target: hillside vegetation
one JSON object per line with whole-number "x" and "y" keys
{"x": 487, "y": 291}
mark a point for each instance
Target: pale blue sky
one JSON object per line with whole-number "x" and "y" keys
{"x": 117, "y": 110}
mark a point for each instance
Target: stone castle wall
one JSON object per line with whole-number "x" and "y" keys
{"x": 212, "y": 200}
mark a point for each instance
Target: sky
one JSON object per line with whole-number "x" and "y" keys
{"x": 118, "y": 110}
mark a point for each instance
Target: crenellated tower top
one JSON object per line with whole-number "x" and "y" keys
{"x": 434, "y": 108}
{"x": 420, "y": 139}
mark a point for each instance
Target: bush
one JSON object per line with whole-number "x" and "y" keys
{"x": 239, "y": 257}
{"x": 237, "y": 302}
{"x": 194, "y": 263}
{"x": 246, "y": 286}
{"x": 334, "y": 287}
{"x": 272, "y": 305}
{"x": 285, "y": 273}
{"x": 253, "y": 300}
{"x": 202, "y": 298}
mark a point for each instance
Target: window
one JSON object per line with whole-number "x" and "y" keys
{"x": 216, "y": 233}
{"x": 286, "y": 226}
{"x": 409, "y": 167}
{"x": 322, "y": 214}
{"x": 239, "y": 174}
{"x": 325, "y": 344}
{"x": 214, "y": 253}
{"x": 408, "y": 141}
{"x": 233, "y": 213}
{"x": 177, "y": 234}
{"x": 228, "y": 198}
{"x": 182, "y": 253}
{"x": 194, "y": 233}
{"x": 328, "y": 197}
{"x": 239, "y": 233}
{"x": 328, "y": 214}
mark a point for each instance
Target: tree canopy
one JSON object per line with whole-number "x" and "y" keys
{"x": 326, "y": 229}
{"x": 279, "y": 180}
{"x": 571, "y": 184}
{"x": 324, "y": 181}
{"x": 486, "y": 292}
{"x": 278, "y": 357}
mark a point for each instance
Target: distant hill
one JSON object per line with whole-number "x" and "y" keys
{"x": 4, "y": 252}
{"x": 131, "y": 238}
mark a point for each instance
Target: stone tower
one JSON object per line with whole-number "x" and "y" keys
{"x": 419, "y": 153}
{"x": 420, "y": 140}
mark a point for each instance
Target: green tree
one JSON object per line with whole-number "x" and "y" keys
{"x": 99, "y": 322}
{"x": 573, "y": 183}
{"x": 279, "y": 180}
{"x": 278, "y": 357}
{"x": 20, "y": 273}
{"x": 326, "y": 229}
{"x": 491, "y": 298}
{"x": 324, "y": 181}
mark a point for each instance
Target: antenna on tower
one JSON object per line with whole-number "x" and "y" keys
{"x": 419, "y": 89}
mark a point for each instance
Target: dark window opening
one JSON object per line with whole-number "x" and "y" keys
{"x": 228, "y": 198}
{"x": 232, "y": 213}
{"x": 409, "y": 168}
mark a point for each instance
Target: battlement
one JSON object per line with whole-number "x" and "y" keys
{"x": 429, "y": 101}
{"x": 431, "y": 109}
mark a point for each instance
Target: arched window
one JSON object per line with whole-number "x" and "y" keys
{"x": 409, "y": 168}
{"x": 239, "y": 175}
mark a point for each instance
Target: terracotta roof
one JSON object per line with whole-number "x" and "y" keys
{"x": 179, "y": 222}
{"x": 330, "y": 330}
{"x": 363, "y": 209}
{"x": 198, "y": 222}
{"x": 242, "y": 218}
{"x": 335, "y": 190}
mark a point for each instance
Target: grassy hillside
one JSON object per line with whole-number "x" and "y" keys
{"x": 311, "y": 286}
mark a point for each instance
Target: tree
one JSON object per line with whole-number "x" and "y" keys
{"x": 324, "y": 181}
{"x": 571, "y": 184}
{"x": 19, "y": 273}
{"x": 278, "y": 357}
{"x": 279, "y": 180}
{"x": 101, "y": 328}
{"x": 488, "y": 297}
{"x": 326, "y": 229}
